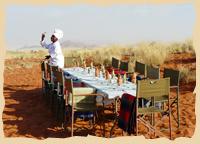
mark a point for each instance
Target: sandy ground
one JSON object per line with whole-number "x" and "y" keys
{"x": 27, "y": 115}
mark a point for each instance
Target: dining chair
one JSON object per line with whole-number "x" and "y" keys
{"x": 54, "y": 89}
{"x": 59, "y": 97}
{"x": 152, "y": 72}
{"x": 139, "y": 72}
{"x": 49, "y": 83}
{"x": 125, "y": 68}
{"x": 152, "y": 89}
{"x": 140, "y": 68}
{"x": 114, "y": 65}
{"x": 174, "y": 76}
{"x": 81, "y": 100}
{"x": 122, "y": 69}
{"x": 44, "y": 77}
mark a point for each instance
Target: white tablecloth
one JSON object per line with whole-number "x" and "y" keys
{"x": 110, "y": 90}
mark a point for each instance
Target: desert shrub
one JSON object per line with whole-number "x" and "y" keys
{"x": 180, "y": 47}
{"x": 148, "y": 52}
{"x": 151, "y": 53}
{"x": 186, "y": 75}
{"x": 25, "y": 54}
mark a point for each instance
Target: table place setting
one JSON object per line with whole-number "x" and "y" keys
{"x": 110, "y": 85}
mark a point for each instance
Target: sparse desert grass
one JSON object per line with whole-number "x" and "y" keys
{"x": 25, "y": 54}
{"x": 20, "y": 63}
{"x": 154, "y": 53}
{"x": 180, "y": 47}
{"x": 21, "y": 56}
{"x": 186, "y": 75}
{"x": 151, "y": 53}
{"x": 148, "y": 52}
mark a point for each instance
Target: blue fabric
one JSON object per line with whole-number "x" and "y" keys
{"x": 138, "y": 77}
{"x": 68, "y": 75}
{"x": 84, "y": 115}
{"x": 129, "y": 79}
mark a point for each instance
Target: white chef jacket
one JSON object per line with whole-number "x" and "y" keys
{"x": 57, "y": 58}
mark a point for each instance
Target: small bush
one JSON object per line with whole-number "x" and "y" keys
{"x": 154, "y": 53}
{"x": 186, "y": 75}
{"x": 186, "y": 46}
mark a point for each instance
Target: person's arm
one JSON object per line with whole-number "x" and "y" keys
{"x": 43, "y": 43}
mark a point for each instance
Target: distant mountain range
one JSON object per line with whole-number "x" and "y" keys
{"x": 64, "y": 44}
{"x": 72, "y": 44}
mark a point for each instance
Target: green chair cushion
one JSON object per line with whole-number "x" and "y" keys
{"x": 149, "y": 110}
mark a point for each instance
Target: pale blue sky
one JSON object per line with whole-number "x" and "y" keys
{"x": 124, "y": 24}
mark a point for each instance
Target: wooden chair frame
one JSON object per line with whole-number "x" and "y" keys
{"x": 115, "y": 63}
{"x": 174, "y": 76}
{"x": 71, "y": 93}
{"x": 152, "y": 88}
{"x": 152, "y": 72}
{"x": 140, "y": 68}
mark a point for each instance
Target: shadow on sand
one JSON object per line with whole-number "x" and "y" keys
{"x": 27, "y": 114}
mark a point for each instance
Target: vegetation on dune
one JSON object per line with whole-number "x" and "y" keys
{"x": 152, "y": 53}
{"x": 186, "y": 75}
{"x": 148, "y": 52}
{"x": 186, "y": 46}
{"x": 25, "y": 54}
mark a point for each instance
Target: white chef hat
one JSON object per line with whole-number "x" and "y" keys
{"x": 58, "y": 33}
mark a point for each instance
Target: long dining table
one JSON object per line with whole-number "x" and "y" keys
{"x": 109, "y": 88}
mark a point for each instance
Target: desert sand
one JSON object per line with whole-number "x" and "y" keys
{"x": 27, "y": 115}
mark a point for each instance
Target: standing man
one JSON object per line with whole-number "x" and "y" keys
{"x": 55, "y": 52}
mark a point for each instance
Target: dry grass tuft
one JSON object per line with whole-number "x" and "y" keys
{"x": 154, "y": 53}
{"x": 186, "y": 75}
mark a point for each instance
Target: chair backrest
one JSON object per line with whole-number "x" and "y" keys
{"x": 79, "y": 95}
{"x": 153, "y": 88}
{"x": 54, "y": 70}
{"x": 43, "y": 66}
{"x": 174, "y": 76}
{"x": 68, "y": 85}
{"x": 60, "y": 76}
{"x": 60, "y": 81}
{"x": 152, "y": 72}
{"x": 140, "y": 68}
{"x": 48, "y": 71}
{"x": 115, "y": 63}
{"x": 124, "y": 66}
{"x": 43, "y": 69}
